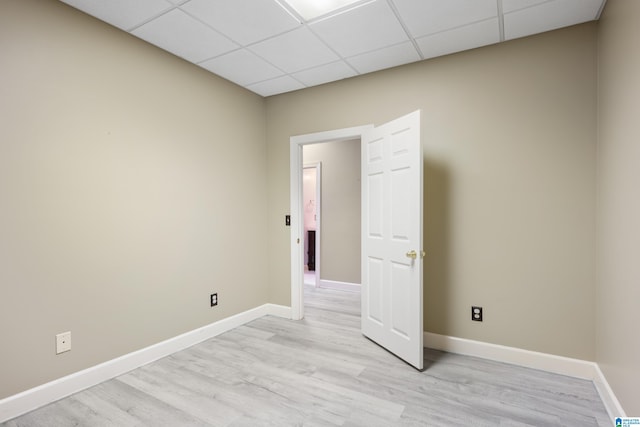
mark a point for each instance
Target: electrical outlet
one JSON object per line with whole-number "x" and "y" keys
{"x": 214, "y": 300}
{"x": 476, "y": 313}
{"x": 63, "y": 342}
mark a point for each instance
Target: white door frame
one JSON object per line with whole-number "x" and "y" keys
{"x": 318, "y": 216}
{"x": 297, "y": 218}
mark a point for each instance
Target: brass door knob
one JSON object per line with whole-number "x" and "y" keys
{"x": 412, "y": 254}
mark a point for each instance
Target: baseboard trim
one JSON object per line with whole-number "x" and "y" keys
{"x": 44, "y": 394}
{"x": 614, "y": 408}
{"x": 531, "y": 359}
{"x": 517, "y": 356}
{"x": 340, "y": 286}
{"x": 277, "y": 310}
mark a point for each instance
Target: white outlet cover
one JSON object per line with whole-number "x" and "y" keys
{"x": 63, "y": 342}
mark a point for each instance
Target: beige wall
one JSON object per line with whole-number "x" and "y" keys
{"x": 128, "y": 186}
{"x": 618, "y": 279}
{"x": 340, "y": 208}
{"x": 509, "y": 135}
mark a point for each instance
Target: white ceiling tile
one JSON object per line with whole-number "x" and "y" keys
{"x": 275, "y": 86}
{"x": 295, "y": 51}
{"x": 244, "y": 21}
{"x": 424, "y": 17}
{"x": 365, "y": 28}
{"x": 184, "y": 36}
{"x": 512, "y": 5}
{"x": 241, "y": 67}
{"x": 459, "y": 39}
{"x": 325, "y": 73}
{"x": 549, "y": 16}
{"x": 124, "y": 14}
{"x": 384, "y": 58}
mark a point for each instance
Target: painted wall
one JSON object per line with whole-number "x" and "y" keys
{"x": 618, "y": 279}
{"x": 340, "y": 208}
{"x": 129, "y": 181}
{"x": 509, "y": 133}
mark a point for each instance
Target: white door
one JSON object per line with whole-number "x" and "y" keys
{"x": 392, "y": 237}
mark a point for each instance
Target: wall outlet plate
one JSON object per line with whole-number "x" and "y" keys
{"x": 214, "y": 300}
{"x": 63, "y": 342}
{"x": 476, "y": 313}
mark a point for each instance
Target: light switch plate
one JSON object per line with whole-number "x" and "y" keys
{"x": 63, "y": 342}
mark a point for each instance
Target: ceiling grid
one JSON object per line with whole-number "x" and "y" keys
{"x": 272, "y": 47}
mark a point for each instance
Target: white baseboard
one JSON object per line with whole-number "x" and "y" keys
{"x": 339, "y": 286}
{"x": 277, "y": 310}
{"x": 531, "y": 359}
{"x": 608, "y": 397}
{"x": 44, "y": 394}
{"x": 517, "y": 356}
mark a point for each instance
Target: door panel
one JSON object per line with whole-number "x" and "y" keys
{"x": 391, "y": 229}
{"x": 400, "y": 278}
{"x": 374, "y": 296}
{"x": 400, "y": 206}
{"x": 374, "y": 208}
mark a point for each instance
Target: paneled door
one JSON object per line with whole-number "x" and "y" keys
{"x": 392, "y": 237}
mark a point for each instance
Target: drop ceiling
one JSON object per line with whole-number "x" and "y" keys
{"x": 268, "y": 47}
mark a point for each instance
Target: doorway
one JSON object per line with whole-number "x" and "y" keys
{"x": 297, "y": 208}
{"x": 337, "y": 258}
{"x": 311, "y": 191}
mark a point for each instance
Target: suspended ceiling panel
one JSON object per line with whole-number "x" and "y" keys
{"x": 268, "y": 47}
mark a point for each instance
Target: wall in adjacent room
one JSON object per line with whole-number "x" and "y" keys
{"x": 129, "y": 181}
{"x": 618, "y": 277}
{"x": 309, "y": 205}
{"x": 509, "y": 135}
{"x": 340, "y": 208}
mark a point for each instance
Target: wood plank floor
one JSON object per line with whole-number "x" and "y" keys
{"x": 322, "y": 372}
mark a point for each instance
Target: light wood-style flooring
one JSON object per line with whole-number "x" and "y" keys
{"x": 322, "y": 372}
